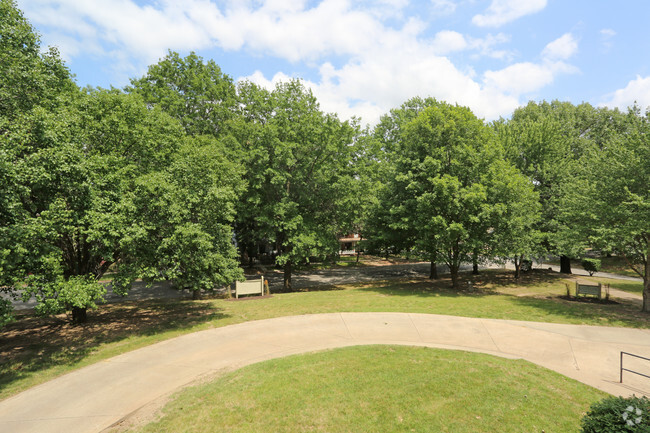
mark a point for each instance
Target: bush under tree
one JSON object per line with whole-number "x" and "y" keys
{"x": 591, "y": 266}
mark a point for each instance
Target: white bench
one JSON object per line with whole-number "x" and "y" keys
{"x": 249, "y": 287}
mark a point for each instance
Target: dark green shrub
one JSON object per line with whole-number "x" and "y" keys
{"x": 6, "y": 312}
{"x": 591, "y": 266}
{"x": 618, "y": 415}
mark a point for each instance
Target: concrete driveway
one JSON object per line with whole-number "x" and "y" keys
{"x": 95, "y": 397}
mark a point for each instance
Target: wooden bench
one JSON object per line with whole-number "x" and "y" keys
{"x": 249, "y": 287}
{"x": 589, "y": 290}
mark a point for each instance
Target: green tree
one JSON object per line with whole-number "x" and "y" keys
{"x": 182, "y": 220}
{"x": 28, "y": 78}
{"x": 452, "y": 194}
{"x": 388, "y": 225}
{"x": 195, "y": 92}
{"x": 296, "y": 158}
{"x": 612, "y": 203}
{"x": 515, "y": 215}
{"x": 73, "y": 167}
{"x": 544, "y": 141}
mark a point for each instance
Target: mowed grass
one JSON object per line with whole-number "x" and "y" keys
{"x": 611, "y": 265}
{"x": 382, "y": 389}
{"x": 34, "y": 350}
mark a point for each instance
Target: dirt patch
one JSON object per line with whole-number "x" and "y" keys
{"x": 249, "y": 298}
{"x": 589, "y": 300}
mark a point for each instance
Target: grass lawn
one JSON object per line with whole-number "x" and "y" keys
{"x": 382, "y": 389}
{"x": 626, "y": 286}
{"x": 34, "y": 350}
{"x": 612, "y": 265}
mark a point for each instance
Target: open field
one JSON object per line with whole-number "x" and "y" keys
{"x": 34, "y": 350}
{"x": 381, "y": 389}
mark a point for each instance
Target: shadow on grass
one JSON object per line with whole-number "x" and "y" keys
{"x": 485, "y": 283}
{"x": 595, "y": 313}
{"x": 538, "y": 296}
{"x": 627, "y": 286}
{"x": 33, "y": 344}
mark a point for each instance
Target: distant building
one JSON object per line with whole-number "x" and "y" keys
{"x": 348, "y": 243}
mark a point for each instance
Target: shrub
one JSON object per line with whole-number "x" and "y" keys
{"x": 591, "y": 266}
{"x": 617, "y": 415}
{"x": 6, "y": 312}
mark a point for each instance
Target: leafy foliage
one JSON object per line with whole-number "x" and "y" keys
{"x": 296, "y": 159}
{"x": 182, "y": 219}
{"x": 194, "y": 92}
{"x": 452, "y": 195}
{"x": 611, "y": 203}
{"x": 618, "y": 414}
{"x": 28, "y": 78}
{"x": 6, "y": 312}
{"x": 591, "y": 266}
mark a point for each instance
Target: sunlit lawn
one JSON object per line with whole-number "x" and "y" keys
{"x": 382, "y": 389}
{"x": 612, "y": 265}
{"x": 34, "y": 350}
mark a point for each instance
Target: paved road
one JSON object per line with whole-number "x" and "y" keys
{"x": 93, "y": 398}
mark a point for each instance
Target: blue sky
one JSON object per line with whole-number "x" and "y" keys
{"x": 362, "y": 58}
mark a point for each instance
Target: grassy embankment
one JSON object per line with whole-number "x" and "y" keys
{"x": 382, "y": 389}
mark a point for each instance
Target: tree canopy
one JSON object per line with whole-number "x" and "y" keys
{"x": 184, "y": 173}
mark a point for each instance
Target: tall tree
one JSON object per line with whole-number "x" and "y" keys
{"x": 611, "y": 204}
{"x": 182, "y": 220}
{"x": 388, "y": 227}
{"x": 194, "y": 91}
{"x": 545, "y": 141}
{"x": 297, "y": 174}
{"x": 73, "y": 169}
{"x": 449, "y": 186}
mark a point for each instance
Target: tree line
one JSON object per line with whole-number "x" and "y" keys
{"x": 184, "y": 174}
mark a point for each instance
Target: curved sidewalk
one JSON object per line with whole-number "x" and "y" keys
{"x": 95, "y": 397}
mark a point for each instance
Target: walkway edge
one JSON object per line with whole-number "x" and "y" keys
{"x": 95, "y": 397}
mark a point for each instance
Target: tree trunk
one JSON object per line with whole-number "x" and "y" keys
{"x": 196, "y": 294}
{"x": 453, "y": 270}
{"x": 474, "y": 266}
{"x": 646, "y": 280}
{"x": 287, "y": 276}
{"x": 433, "y": 272}
{"x": 646, "y": 291}
{"x": 79, "y": 315}
{"x": 565, "y": 264}
{"x": 518, "y": 260}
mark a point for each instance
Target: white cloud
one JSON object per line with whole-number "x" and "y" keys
{"x": 501, "y": 12}
{"x": 608, "y": 33}
{"x": 368, "y": 87}
{"x": 607, "y": 36}
{"x": 561, "y": 48}
{"x": 527, "y": 77}
{"x": 637, "y": 91}
{"x": 485, "y": 46}
{"x": 443, "y": 7}
{"x": 378, "y": 65}
{"x": 448, "y": 41}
